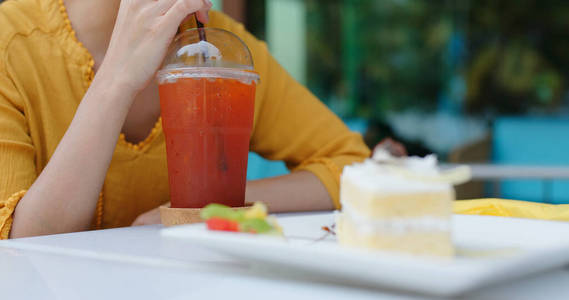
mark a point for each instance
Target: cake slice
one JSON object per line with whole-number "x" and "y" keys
{"x": 398, "y": 204}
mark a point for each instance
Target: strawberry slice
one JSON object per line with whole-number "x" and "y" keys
{"x": 222, "y": 225}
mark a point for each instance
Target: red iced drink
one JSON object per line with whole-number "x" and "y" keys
{"x": 207, "y": 121}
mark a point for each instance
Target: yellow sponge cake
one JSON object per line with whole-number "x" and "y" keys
{"x": 398, "y": 204}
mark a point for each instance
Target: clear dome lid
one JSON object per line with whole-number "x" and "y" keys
{"x": 221, "y": 54}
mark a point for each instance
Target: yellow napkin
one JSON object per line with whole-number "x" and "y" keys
{"x": 512, "y": 208}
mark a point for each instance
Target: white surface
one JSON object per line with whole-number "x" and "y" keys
{"x": 92, "y": 265}
{"x": 500, "y": 249}
{"x": 35, "y": 275}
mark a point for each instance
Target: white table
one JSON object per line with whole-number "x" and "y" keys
{"x": 136, "y": 263}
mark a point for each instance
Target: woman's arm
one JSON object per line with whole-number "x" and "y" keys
{"x": 298, "y": 191}
{"x": 65, "y": 194}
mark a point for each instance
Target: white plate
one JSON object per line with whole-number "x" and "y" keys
{"x": 491, "y": 250}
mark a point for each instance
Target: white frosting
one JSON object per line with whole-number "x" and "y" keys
{"x": 386, "y": 174}
{"x": 201, "y": 47}
{"x": 396, "y": 225}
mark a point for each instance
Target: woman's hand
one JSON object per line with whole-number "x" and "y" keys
{"x": 143, "y": 31}
{"x": 392, "y": 146}
{"x": 148, "y": 218}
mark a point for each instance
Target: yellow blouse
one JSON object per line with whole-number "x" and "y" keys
{"x": 45, "y": 71}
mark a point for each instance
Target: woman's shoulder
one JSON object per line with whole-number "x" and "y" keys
{"x": 258, "y": 48}
{"x": 22, "y": 18}
{"x": 220, "y": 20}
{"x": 19, "y": 17}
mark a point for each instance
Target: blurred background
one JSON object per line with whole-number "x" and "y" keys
{"x": 474, "y": 81}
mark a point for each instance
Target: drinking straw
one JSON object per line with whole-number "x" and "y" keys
{"x": 201, "y": 32}
{"x": 222, "y": 162}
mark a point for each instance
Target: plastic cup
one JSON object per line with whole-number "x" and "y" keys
{"x": 207, "y": 118}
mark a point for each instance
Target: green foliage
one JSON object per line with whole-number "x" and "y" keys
{"x": 370, "y": 57}
{"x": 388, "y": 56}
{"x": 519, "y": 59}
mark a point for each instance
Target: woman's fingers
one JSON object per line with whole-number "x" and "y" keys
{"x": 148, "y": 218}
{"x": 163, "y": 6}
{"x": 203, "y": 15}
{"x": 181, "y": 8}
{"x": 143, "y": 32}
{"x": 392, "y": 146}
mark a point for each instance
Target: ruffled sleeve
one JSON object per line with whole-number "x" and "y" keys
{"x": 6, "y": 209}
{"x": 17, "y": 163}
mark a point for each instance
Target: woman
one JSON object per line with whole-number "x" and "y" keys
{"x": 75, "y": 77}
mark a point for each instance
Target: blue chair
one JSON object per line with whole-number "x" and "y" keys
{"x": 259, "y": 168}
{"x": 532, "y": 141}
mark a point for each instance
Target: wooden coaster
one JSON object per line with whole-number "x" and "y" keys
{"x": 178, "y": 216}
